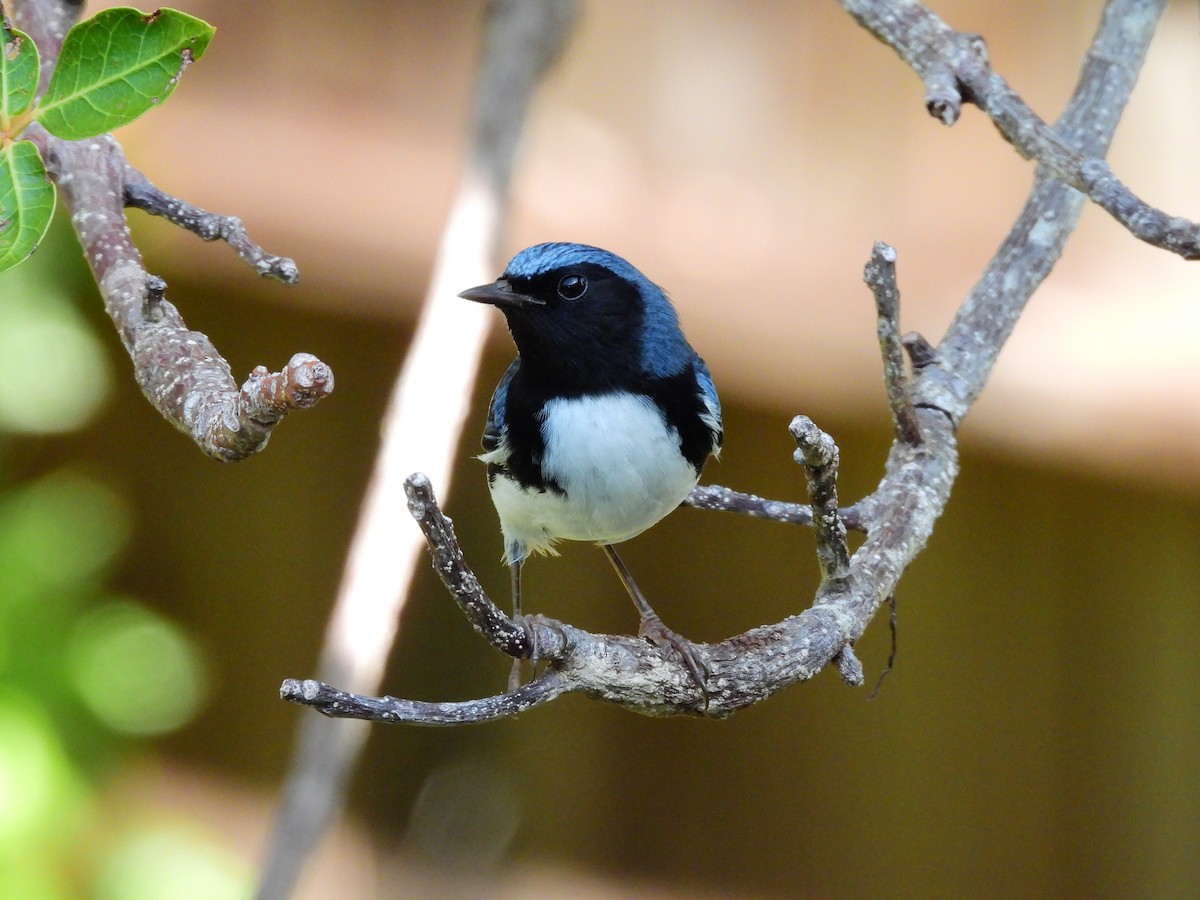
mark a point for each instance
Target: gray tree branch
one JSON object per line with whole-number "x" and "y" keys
{"x": 955, "y": 69}
{"x": 921, "y": 467}
{"x": 179, "y": 370}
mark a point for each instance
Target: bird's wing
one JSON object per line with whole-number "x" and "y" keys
{"x": 493, "y": 431}
{"x": 712, "y": 404}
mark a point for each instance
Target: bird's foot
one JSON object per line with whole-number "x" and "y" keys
{"x": 653, "y": 630}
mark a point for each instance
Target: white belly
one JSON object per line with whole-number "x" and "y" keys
{"x": 619, "y": 464}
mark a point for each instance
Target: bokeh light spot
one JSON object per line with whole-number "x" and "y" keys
{"x": 55, "y": 372}
{"x": 465, "y": 816}
{"x": 58, "y": 532}
{"x": 136, "y": 671}
{"x": 38, "y": 785}
{"x": 170, "y": 863}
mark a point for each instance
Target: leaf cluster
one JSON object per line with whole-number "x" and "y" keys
{"x": 113, "y": 68}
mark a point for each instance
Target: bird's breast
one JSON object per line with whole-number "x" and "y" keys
{"x": 617, "y": 467}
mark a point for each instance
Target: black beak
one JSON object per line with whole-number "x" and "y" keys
{"x": 500, "y": 293}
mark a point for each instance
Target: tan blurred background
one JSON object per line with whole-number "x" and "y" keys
{"x": 1040, "y": 735}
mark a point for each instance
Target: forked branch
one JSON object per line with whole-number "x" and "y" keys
{"x": 954, "y": 67}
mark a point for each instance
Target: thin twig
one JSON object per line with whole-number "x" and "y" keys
{"x": 505, "y": 634}
{"x": 891, "y": 660}
{"x": 723, "y": 499}
{"x": 142, "y": 194}
{"x": 329, "y": 701}
{"x": 880, "y": 276}
{"x": 817, "y": 452}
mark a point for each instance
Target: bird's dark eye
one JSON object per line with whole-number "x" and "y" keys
{"x": 572, "y": 287}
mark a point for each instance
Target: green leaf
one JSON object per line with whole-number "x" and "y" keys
{"x": 18, "y": 73}
{"x": 117, "y": 65}
{"x": 26, "y": 202}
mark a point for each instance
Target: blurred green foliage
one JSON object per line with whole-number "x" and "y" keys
{"x": 85, "y": 676}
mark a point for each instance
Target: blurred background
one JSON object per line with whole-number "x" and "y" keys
{"x": 1039, "y": 734}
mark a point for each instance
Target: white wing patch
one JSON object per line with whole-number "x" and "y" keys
{"x": 498, "y": 457}
{"x": 712, "y": 405}
{"x": 712, "y": 418}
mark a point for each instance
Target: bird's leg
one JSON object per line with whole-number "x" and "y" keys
{"x": 514, "y": 573}
{"x": 652, "y": 626}
{"x": 518, "y": 666}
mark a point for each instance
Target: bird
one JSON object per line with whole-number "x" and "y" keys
{"x": 602, "y": 424}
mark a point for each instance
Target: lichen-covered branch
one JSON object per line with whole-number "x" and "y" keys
{"x": 643, "y": 677}
{"x": 955, "y": 69}
{"x": 179, "y": 370}
{"x": 634, "y": 673}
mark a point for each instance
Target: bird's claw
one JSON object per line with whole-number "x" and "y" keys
{"x": 653, "y": 630}
{"x": 517, "y": 672}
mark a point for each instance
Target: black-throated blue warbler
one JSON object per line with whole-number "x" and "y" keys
{"x": 603, "y": 422}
